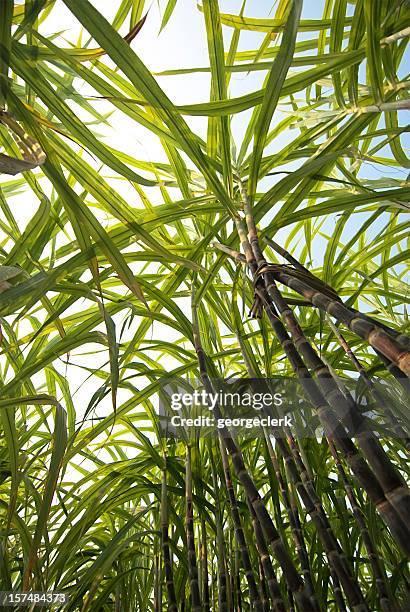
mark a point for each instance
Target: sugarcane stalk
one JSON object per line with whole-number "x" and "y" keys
{"x": 400, "y": 376}
{"x": 172, "y": 602}
{"x": 338, "y": 566}
{"x": 313, "y": 505}
{"x": 214, "y": 606}
{"x": 157, "y": 583}
{"x": 376, "y": 336}
{"x": 239, "y": 534}
{"x": 364, "y": 475}
{"x": 220, "y": 548}
{"x": 294, "y": 580}
{"x": 192, "y": 566}
{"x": 363, "y": 374}
{"x": 291, "y": 602}
{"x": 392, "y": 485}
{"x": 386, "y": 603}
{"x": 262, "y": 580}
{"x": 204, "y": 567}
{"x": 399, "y": 336}
{"x": 293, "y": 518}
{"x": 266, "y": 563}
{"x": 380, "y": 400}
{"x": 337, "y": 590}
{"x": 236, "y": 578}
{"x": 394, "y": 488}
{"x": 203, "y": 551}
{"x": 257, "y": 254}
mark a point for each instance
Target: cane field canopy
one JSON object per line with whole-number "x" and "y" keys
{"x": 196, "y": 192}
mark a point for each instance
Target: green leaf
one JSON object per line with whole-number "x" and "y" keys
{"x": 273, "y": 90}
{"x": 70, "y": 119}
{"x": 171, "y": 4}
{"x": 217, "y": 62}
{"x": 6, "y": 16}
{"x": 59, "y": 446}
{"x": 142, "y": 79}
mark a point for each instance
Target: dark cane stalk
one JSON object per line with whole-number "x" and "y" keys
{"x": 378, "y": 397}
{"x": 394, "y": 488}
{"x": 239, "y": 534}
{"x": 332, "y": 427}
{"x": 292, "y": 577}
{"x": 386, "y": 603}
{"x": 172, "y": 603}
{"x": 192, "y": 566}
{"x": 364, "y": 327}
{"x": 293, "y": 516}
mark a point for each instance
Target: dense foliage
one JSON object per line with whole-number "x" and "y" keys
{"x": 118, "y": 270}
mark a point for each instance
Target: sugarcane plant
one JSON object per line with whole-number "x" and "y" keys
{"x": 247, "y": 224}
